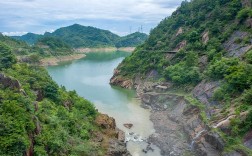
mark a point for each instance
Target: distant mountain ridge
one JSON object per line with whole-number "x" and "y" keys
{"x": 78, "y": 36}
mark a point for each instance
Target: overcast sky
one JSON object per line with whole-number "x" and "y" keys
{"x": 21, "y": 16}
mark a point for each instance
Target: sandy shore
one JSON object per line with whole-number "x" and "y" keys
{"x": 108, "y": 49}
{"x": 52, "y": 61}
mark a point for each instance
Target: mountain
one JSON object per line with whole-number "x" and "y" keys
{"x": 81, "y": 36}
{"x": 199, "y": 57}
{"x": 29, "y": 38}
{"x": 131, "y": 40}
{"x": 78, "y": 36}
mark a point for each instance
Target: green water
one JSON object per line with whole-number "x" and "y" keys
{"x": 90, "y": 78}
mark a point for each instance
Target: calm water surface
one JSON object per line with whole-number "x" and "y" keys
{"x": 90, "y": 78}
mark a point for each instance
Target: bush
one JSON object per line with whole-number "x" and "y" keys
{"x": 248, "y": 57}
{"x": 182, "y": 74}
{"x": 244, "y": 13}
{"x": 218, "y": 69}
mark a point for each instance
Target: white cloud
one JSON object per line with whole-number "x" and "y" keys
{"x": 14, "y": 33}
{"x": 23, "y": 15}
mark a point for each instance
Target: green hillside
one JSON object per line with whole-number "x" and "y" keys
{"x": 204, "y": 41}
{"x": 131, "y": 40}
{"x": 29, "y": 38}
{"x": 54, "y": 46}
{"x": 78, "y": 36}
{"x": 37, "y": 117}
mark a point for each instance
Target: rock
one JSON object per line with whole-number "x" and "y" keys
{"x": 119, "y": 81}
{"x": 128, "y": 125}
{"x": 215, "y": 140}
{"x": 153, "y": 74}
{"x": 205, "y": 37}
{"x": 180, "y": 46}
{"x": 248, "y": 140}
{"x": 120, "y": 135}
{"x": 180, "y": 31}
{"x": 233, "y": 153}
{"x": 9, "y": 82}
{"x": 247, "y": 3}
{"x": 204, "y": 92}
{"x": 203, "y": 61}
{"x": 106, "y": 122}
{"x": 40, "y": 95}
{"x": 97, "y": 137}
{"x": 117, "y": 148}
{"x": 237, "y": 49}
{"x": 161, "y": 88}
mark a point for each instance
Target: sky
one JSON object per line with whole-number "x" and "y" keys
{"x": 122, "y": 17}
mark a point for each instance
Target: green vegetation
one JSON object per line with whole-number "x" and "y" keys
{"x": 197, "y": 31}
{"x": 131, "y": 40}
{"x": 29, "y": 38}
{"x": 53, "y": 47}
{"x": 39, "y": 117}
{"x": 78, "y": 36}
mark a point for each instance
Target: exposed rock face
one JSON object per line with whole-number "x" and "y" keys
{"x": 204, "y": 92}
{"x": 237, "y": 49}
{"x": 248, "y": 140}
{"x": 9, "y": 82}
{"x": 112, "y": 138}
{"x": 175, "y": 120}
{"x": 246, "y": 3}
{"x": 117, "y": 148}
{"x": 180, "y": 31}
{"x": 205, "y": 37}
{"x": 180, "y": 46}
{"x": 203, "y": 62}
{"x": 106, "y": 122}
{"x": 120, "y": 81}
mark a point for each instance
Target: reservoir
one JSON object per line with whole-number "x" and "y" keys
{"x": 90, "y": 78}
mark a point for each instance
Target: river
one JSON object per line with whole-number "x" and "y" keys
{"x": 90, "y": 78}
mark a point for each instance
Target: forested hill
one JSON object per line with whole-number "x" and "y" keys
{"x": 213, "y": 44}
{"x": 131, "y": 40}
{"x": 78, "y": 36}
{"x": 29, "y": 38}
{"x": 38, "y": 117}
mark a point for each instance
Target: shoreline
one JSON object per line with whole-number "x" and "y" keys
{"x": 106, "y": 49}
{"x": 53, "y": 61}
{"x": 80, "y": 53}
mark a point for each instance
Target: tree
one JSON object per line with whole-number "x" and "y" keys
{"x": 7, "y": 59}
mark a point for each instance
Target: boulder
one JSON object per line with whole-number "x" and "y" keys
{"x": 9, "y": 82}
{"x": 106, "y": 122}
{"x": 117, "y": 148}
{"x": 120, "y": 135}
{"x": 128, "y": 125}
{"x": 119, "y": 81}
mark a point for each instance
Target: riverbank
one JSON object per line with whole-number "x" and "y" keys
{"x": 107, "y": 49}
{"x": 52, "y": 61}
{"x": 179, "y": 120}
